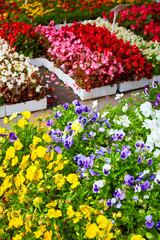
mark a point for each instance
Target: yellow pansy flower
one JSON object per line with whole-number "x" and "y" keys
{"x": 34, "y": 155}
{"x": 16, "y": 221}
{"x": 52, "y": 204}
{"x": 14, "y": 161}
{"x": 30, "y": 172}
{"x": 104, "y": 223}
{"x": 19, "y": 179}
{"x": 24, "y": 162}
{"x": 40, "y": 231}
{"x": 18, "y": 145}
{"x": 10, "y": 153}
{"x": 26, "y": 114}
{"x": 2, "y": 173}
{"x": 5, "y": 120}
{"x": 137, "y": 237}
{"x": 47, "y": 235}
{"x": 41, "y": 151}
{"x": 52, "y": 213}
{"x": 22, "y": 122}
{"x": 46, "y": 137}
{"x": 37, "y": 201}
{"x": 76, "y": 126}
{"x": 14, "y": 115}
{"x": 70, "y": 211}
{"x": 92, "y": 230}
{"x": 72, "y": 178}
{"x": 38, "y": 175}
{"x": 78, "y": 216}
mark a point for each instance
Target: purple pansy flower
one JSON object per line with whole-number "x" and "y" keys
{"x": 49, "y": 122}
{"x": 158, "y": 225}
{"x": 158, "y": 97}
{"x": 149, "y": 223}
{"x": 65, "y": 106}
{"x": 68, "y": 142}
{"x": 149, "y": 161}
{"x": 58, "y": 114}
{"x": 129, "y": 180}
{"x": 145, "y": 185}
{"x": 12, "y": 137}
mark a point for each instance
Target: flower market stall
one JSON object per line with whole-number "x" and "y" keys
{"x": 77, "y": 173}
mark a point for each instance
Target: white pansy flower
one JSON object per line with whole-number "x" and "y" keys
{"x": 125, "y": 107}
{"x": 119, "y": 96}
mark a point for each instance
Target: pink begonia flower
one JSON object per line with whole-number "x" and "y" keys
{"x": 88, "y": 72}
{"x": 94, "y": 65}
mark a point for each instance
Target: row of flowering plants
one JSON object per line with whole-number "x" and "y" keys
{"x": 143, "y": 20}
{"x": 83, "y": 174}
{"x": 19, "y": 80}
{"x": 23, "y": 38}
{"x": 94, "y": 60}
{"x": 36, "y": 12}
{"x": 150, "y": 49}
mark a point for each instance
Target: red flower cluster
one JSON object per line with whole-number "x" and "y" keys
{"x": 9, "y": 9}
{"x": 100, "y": 39}
{"x": 144, "y": 20}
{"x": 18, "y": 34}
{"x": 11, "y": 31}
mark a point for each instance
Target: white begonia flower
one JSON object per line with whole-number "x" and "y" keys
{"x": 119, "y": 96}
{"x": 38, "y": 88}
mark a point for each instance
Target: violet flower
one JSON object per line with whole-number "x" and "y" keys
{"x": 149, "y": 223}
{"x": 12, "y": 137}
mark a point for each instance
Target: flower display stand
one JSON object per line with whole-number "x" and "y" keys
{"x": 83, "y": 94}
{"x": 96, "y": 92}
{"x": 132, "y": 85}
{"x": 33, "y": 105}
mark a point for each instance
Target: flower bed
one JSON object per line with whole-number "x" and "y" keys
{"x": 19, "y": 80}
{"x": 92, "y": 62}
{"x": 110, "y": 157}
{"x": 35, "y": 12}
{"x": 151, "y": 50}
{"x": 143, "y": 20}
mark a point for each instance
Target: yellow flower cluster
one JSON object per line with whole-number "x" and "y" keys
{"x": 34, "y": 180}
{"x": 137, "y": 237}
{"x": 35, "y": 9}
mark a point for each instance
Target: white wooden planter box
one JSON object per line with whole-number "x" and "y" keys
{"x": 2, "y": 111}
{"x": 132, "y": 85}
{"x": 33, "y": 105}
{"x": 83, "y": 94}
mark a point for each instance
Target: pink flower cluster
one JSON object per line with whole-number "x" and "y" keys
{"x": 89, "y": 69}
{"x": 95, "y": 59}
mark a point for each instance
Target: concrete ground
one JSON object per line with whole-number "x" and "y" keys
{"x": 102, "y": 102}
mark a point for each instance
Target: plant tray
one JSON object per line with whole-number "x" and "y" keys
{"x": 83, "y": 94}
{"x": 131, "y": 85}
{"x": 33, "y": 105}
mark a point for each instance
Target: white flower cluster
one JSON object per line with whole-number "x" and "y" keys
{"x": 152, "y": 123}
{"x": 122, "y": 120}
{"x": 15, "y": 69}
{"x": 149, "y": 49}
